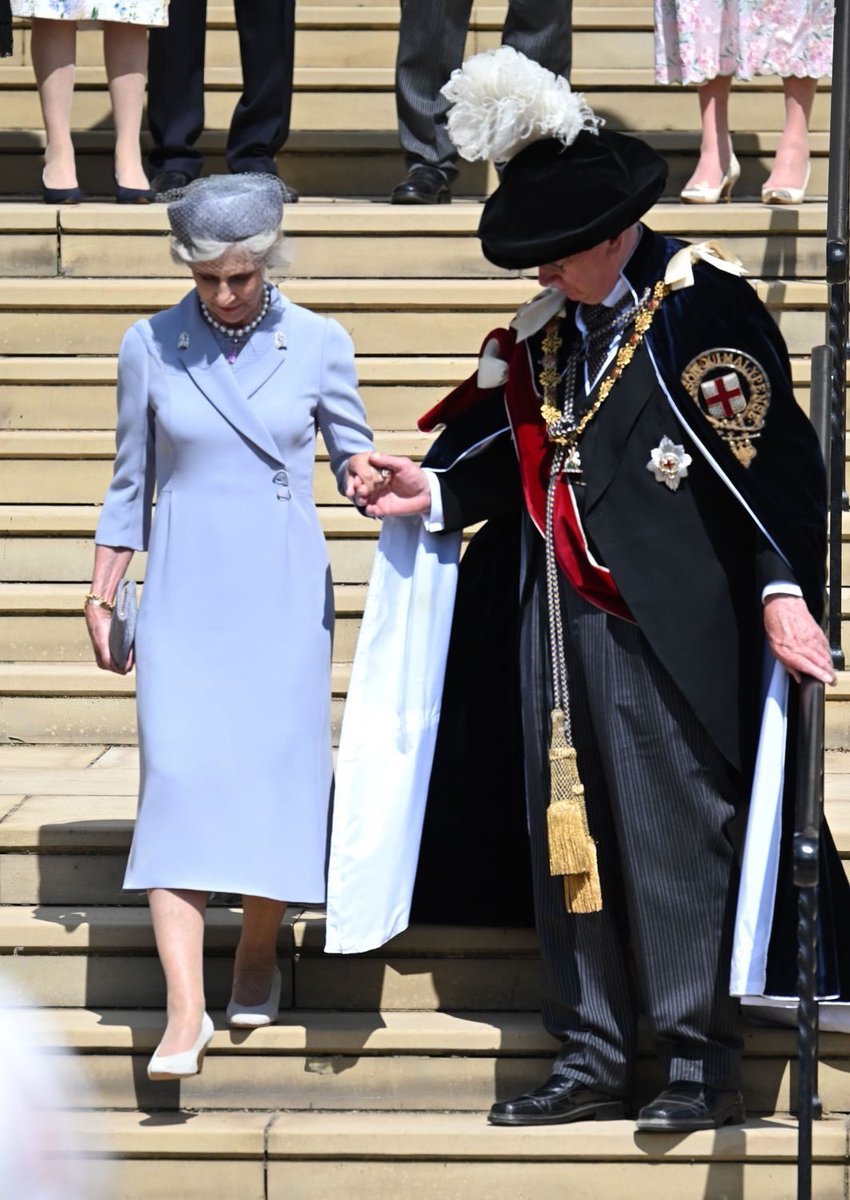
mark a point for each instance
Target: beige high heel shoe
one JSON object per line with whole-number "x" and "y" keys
{"x": 189, "y": 1062}
{"x": 771, "y": 195}
{"x": 252, "y": 1016}
{"x": 704, "y": 193}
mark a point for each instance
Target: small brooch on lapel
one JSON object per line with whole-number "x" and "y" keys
{"x": 669, "y": 463}
{"x": 280, "y": 339}
{"x": 183, "y": 341}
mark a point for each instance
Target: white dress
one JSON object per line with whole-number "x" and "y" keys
{"x": 127, "y": 12}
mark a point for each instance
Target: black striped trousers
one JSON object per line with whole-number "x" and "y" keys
{"x": 431, "y": 41}
{"x": 660, "y": 801}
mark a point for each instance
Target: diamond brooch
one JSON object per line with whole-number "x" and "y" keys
{"x": 669, "y": 463}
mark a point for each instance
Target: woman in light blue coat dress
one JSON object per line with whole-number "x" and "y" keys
{"x": 219, "y": 403}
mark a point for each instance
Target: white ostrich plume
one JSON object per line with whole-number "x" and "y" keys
{"x": 502, "y": 101}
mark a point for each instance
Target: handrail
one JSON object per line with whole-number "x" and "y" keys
{"x": 805, "y": 857}
{"x": 838, "y": 216}
{"x": 828, "y": 413}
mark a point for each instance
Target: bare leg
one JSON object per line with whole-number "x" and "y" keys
{"x": 715, "y": 144}
{"x": 792, "y": 153}
{"x": 125, "y": 52}
{"x": 256, "y": 954}
{"x": 54, "y": 54}
{"x": 178, "y": 924}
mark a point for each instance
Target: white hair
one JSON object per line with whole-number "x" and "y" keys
{"x": 267, "y": 249}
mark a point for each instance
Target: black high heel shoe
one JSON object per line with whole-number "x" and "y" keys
{"x": 125, "y": 195}
{"x": 74, "y": 195}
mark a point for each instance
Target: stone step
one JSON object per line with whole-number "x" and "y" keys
{"x": 72, "y": 394}
{"x": 72, "y": 848}
{"x": 50, "y": 627}
{"x": 84, "y": 717}
{"x": 82, "y": 473}
{"x": 406, "y": 1061}
{"x": 351, "y": 52}
{"x": 365, "y": 162}
{"x": 617, "y": 86}
{"x": 320, "y": 1156}
{"x": 359, "y": 241}
{"x": 79, "y": 393}
{"x": 104, "y": 957}
{"x": 88, "y": 316}
{"x": 43, "y": 623}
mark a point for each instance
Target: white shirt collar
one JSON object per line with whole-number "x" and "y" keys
{"x": 550, "y": 302}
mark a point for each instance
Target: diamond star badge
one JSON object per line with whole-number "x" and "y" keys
{"x": 669, "y": 463}
{"x": 183, "y": 341}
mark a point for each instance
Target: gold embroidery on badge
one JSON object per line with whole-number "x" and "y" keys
{"x": 732, "y": 391}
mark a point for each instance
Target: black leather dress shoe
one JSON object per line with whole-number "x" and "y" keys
{"x": 682, "y": 1107}
{"x": 423, "y": 185}
{"x": 556, "y": 1102}
{"x": 170, "y": 185}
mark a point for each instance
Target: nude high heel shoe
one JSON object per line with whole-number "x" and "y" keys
{"x": 704, "y": 193}
{"x": 247, "y": 1016}
{"x": 189, "y": 1062}
{"x": 771, "y": 195}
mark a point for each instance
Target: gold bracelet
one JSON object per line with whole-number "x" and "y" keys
{"x": 101, "y": 601}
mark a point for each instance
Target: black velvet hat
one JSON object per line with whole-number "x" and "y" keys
{"x": 555, "y": 200}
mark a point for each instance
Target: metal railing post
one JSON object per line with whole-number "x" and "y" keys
{"x": 836, "y": 275}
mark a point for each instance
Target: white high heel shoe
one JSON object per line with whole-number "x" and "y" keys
{"x": 771, "y": 195}
{"x": 248, "y": 1016}
{"x": 189, "y": 1062}
{"x": 704, "y": 193}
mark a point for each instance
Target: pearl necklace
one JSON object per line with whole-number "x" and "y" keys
{"x": 238, "y": 332}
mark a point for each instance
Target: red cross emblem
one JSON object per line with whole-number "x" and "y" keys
{"x": 723, "y": 396}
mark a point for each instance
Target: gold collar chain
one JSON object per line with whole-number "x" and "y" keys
{"x": 549, "y": 376}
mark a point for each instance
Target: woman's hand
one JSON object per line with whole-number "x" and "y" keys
{"x": 97, "y": 623}
{"x": 796, "y": 639}
{"x": 365, "y": 481}
{"x": 110, "y": 567}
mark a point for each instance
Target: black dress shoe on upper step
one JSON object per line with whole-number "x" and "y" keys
{"x": 683, "y": 1107}
{"x": 556, "y": 1102}
{"x": 423, "y": 185}
{"x": 170, "y": 185}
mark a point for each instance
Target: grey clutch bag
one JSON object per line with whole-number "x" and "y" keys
{"x": 122, "y": 627}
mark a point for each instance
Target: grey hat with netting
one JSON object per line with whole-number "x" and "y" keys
{"x": 227, "y": 208}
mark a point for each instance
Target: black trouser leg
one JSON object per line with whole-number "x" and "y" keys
{"x": 260, "y": 124}
{"x": 176, "y": 88}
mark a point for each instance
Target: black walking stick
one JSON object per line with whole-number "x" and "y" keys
{"x": 828, "y": 414}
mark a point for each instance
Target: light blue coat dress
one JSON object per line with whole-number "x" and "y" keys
{"x": 233, "y": 644}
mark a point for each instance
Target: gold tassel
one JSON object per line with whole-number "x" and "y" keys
{"x": 583, "y": 893}
{"x": 569, "y": 852}
{"x": 572, "y": 851}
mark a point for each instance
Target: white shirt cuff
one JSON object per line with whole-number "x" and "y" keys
{"x": 781, "y": 588}
{"x": 434, "y": 522}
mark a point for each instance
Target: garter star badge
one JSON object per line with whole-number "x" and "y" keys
{"x": 669, "y": 463}
{"x": 732, "y": 391}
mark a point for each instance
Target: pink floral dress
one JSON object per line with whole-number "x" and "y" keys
{"x": 697, "y": 40}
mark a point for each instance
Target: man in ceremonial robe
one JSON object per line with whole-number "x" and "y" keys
{"x": 638, "y": 415}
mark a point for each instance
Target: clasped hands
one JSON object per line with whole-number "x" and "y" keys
{"x": 384, "y": 485}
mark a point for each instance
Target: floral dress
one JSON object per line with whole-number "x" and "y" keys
{"x": 128, "y": 12}
{"x": 697, "y": 40}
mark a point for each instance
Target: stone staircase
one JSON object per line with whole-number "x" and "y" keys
{"x": 376, "y": 1080}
